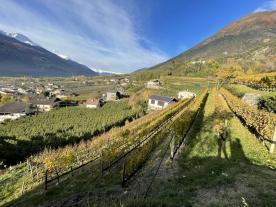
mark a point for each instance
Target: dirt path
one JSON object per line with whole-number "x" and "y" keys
{"x": 139, "y": 184}
{"x": 159, "y": 168}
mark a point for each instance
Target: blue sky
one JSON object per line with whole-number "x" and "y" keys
{"x": 122, "y": 35}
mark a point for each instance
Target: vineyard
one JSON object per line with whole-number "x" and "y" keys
{"x": 26, "y": 136}
{"x": 261, "y": 121}
{"x": 118, "y": 156}
{"x": 206, "y": 179}
{"x": 266, "y": 101}
{"x": 130, "y": 145}
{"x": 262, "y": 81}
{"x": 176, "y": 129}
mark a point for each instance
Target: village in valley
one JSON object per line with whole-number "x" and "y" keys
{"x": 29, "y": 96}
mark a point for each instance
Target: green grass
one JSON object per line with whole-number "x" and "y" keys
{"x": 171, "y": 85}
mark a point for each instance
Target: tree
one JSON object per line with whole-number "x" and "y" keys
{"x": 227, "y": 72}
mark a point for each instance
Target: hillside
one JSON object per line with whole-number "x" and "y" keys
{"x": 109, "y": 171}
{"x": 249, "y": 42}
{"x": 20, "y": 57}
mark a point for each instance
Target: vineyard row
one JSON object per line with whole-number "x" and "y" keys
{"x": 116, "y": 142}
{"x": 261, "y": 121}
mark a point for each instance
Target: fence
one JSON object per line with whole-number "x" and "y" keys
{"x": 106, "y": 164}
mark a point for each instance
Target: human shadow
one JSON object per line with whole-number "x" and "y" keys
{"x": 221, "y": 147}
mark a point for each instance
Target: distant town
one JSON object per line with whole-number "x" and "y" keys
{"x": 27, "y": 96}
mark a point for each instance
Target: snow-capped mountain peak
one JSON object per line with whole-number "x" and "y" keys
{"x": 61, "y": 55}
{"x": 19, "y": 37}
{"x": 106, "y": 72}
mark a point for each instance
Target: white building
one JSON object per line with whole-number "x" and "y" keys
{"x": 159, "y": 102}
{"x": 15, "y": 110}
{"x": 112, "y": 96}
{"x": 3, "y": 92}
{"x": 93, "y": 103}
{"x": 21, "y": 91}
{"x": 185, "y": 95}
{"x": 251, "y": 99}
{"x": 199, "y": 62}
{"x": 44, "y": 104}
{"x": 153, "y": 84}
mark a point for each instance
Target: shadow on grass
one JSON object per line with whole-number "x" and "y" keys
{"x": 214, "y": 181}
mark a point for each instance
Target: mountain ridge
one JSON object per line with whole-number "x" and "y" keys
{"x": 22, "y": 57}
{"x": 249, "y": 39}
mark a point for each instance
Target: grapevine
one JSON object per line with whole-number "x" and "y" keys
{"x": 262, "y": 121}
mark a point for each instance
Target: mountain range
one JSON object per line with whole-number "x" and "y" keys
{"x": 19, "y": 56}
{"x": 249, "y": 42}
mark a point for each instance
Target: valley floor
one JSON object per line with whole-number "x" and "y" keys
{"x": 244, "y": 174}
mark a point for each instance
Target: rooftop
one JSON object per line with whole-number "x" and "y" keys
{"x": 15, "y": 107}
{"x": 43, "y": 101}
{"x": 92, "y": 101}
{"x": 161, "y": 98}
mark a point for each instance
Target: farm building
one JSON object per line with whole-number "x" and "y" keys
{"x": 94, "y": 103}
{"x": 44, "y": 104}
{"x": 112, "y": 96}
{"x": 15, "y": 110}
{"x": 185, "y": 94}
{"x": 159, "y": 102}
{"x": 153, "y": 84}
{"x": 251, "y": 99}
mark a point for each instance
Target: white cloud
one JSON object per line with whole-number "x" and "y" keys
{"x": 97, "y": 33}
{"x": 267, "y": 6}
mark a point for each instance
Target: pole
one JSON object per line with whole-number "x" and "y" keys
{"x": 272, "y": 146}
{"x": 22, "y": 188}
{"x": 124, "y": 172}
{"x": 172, "y": 146}
{"x": 102, "y": 163}
{"x": 46, "y": 179}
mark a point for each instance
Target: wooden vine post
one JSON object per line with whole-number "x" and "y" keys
{"x": 172, "y": 145}
{"x": 102, "y": 168}
{"x": 124, "y": 172}
{"x": 272, "y": 146}
{"x": 46, "y": 179}
{"x": 23, "y": 187}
